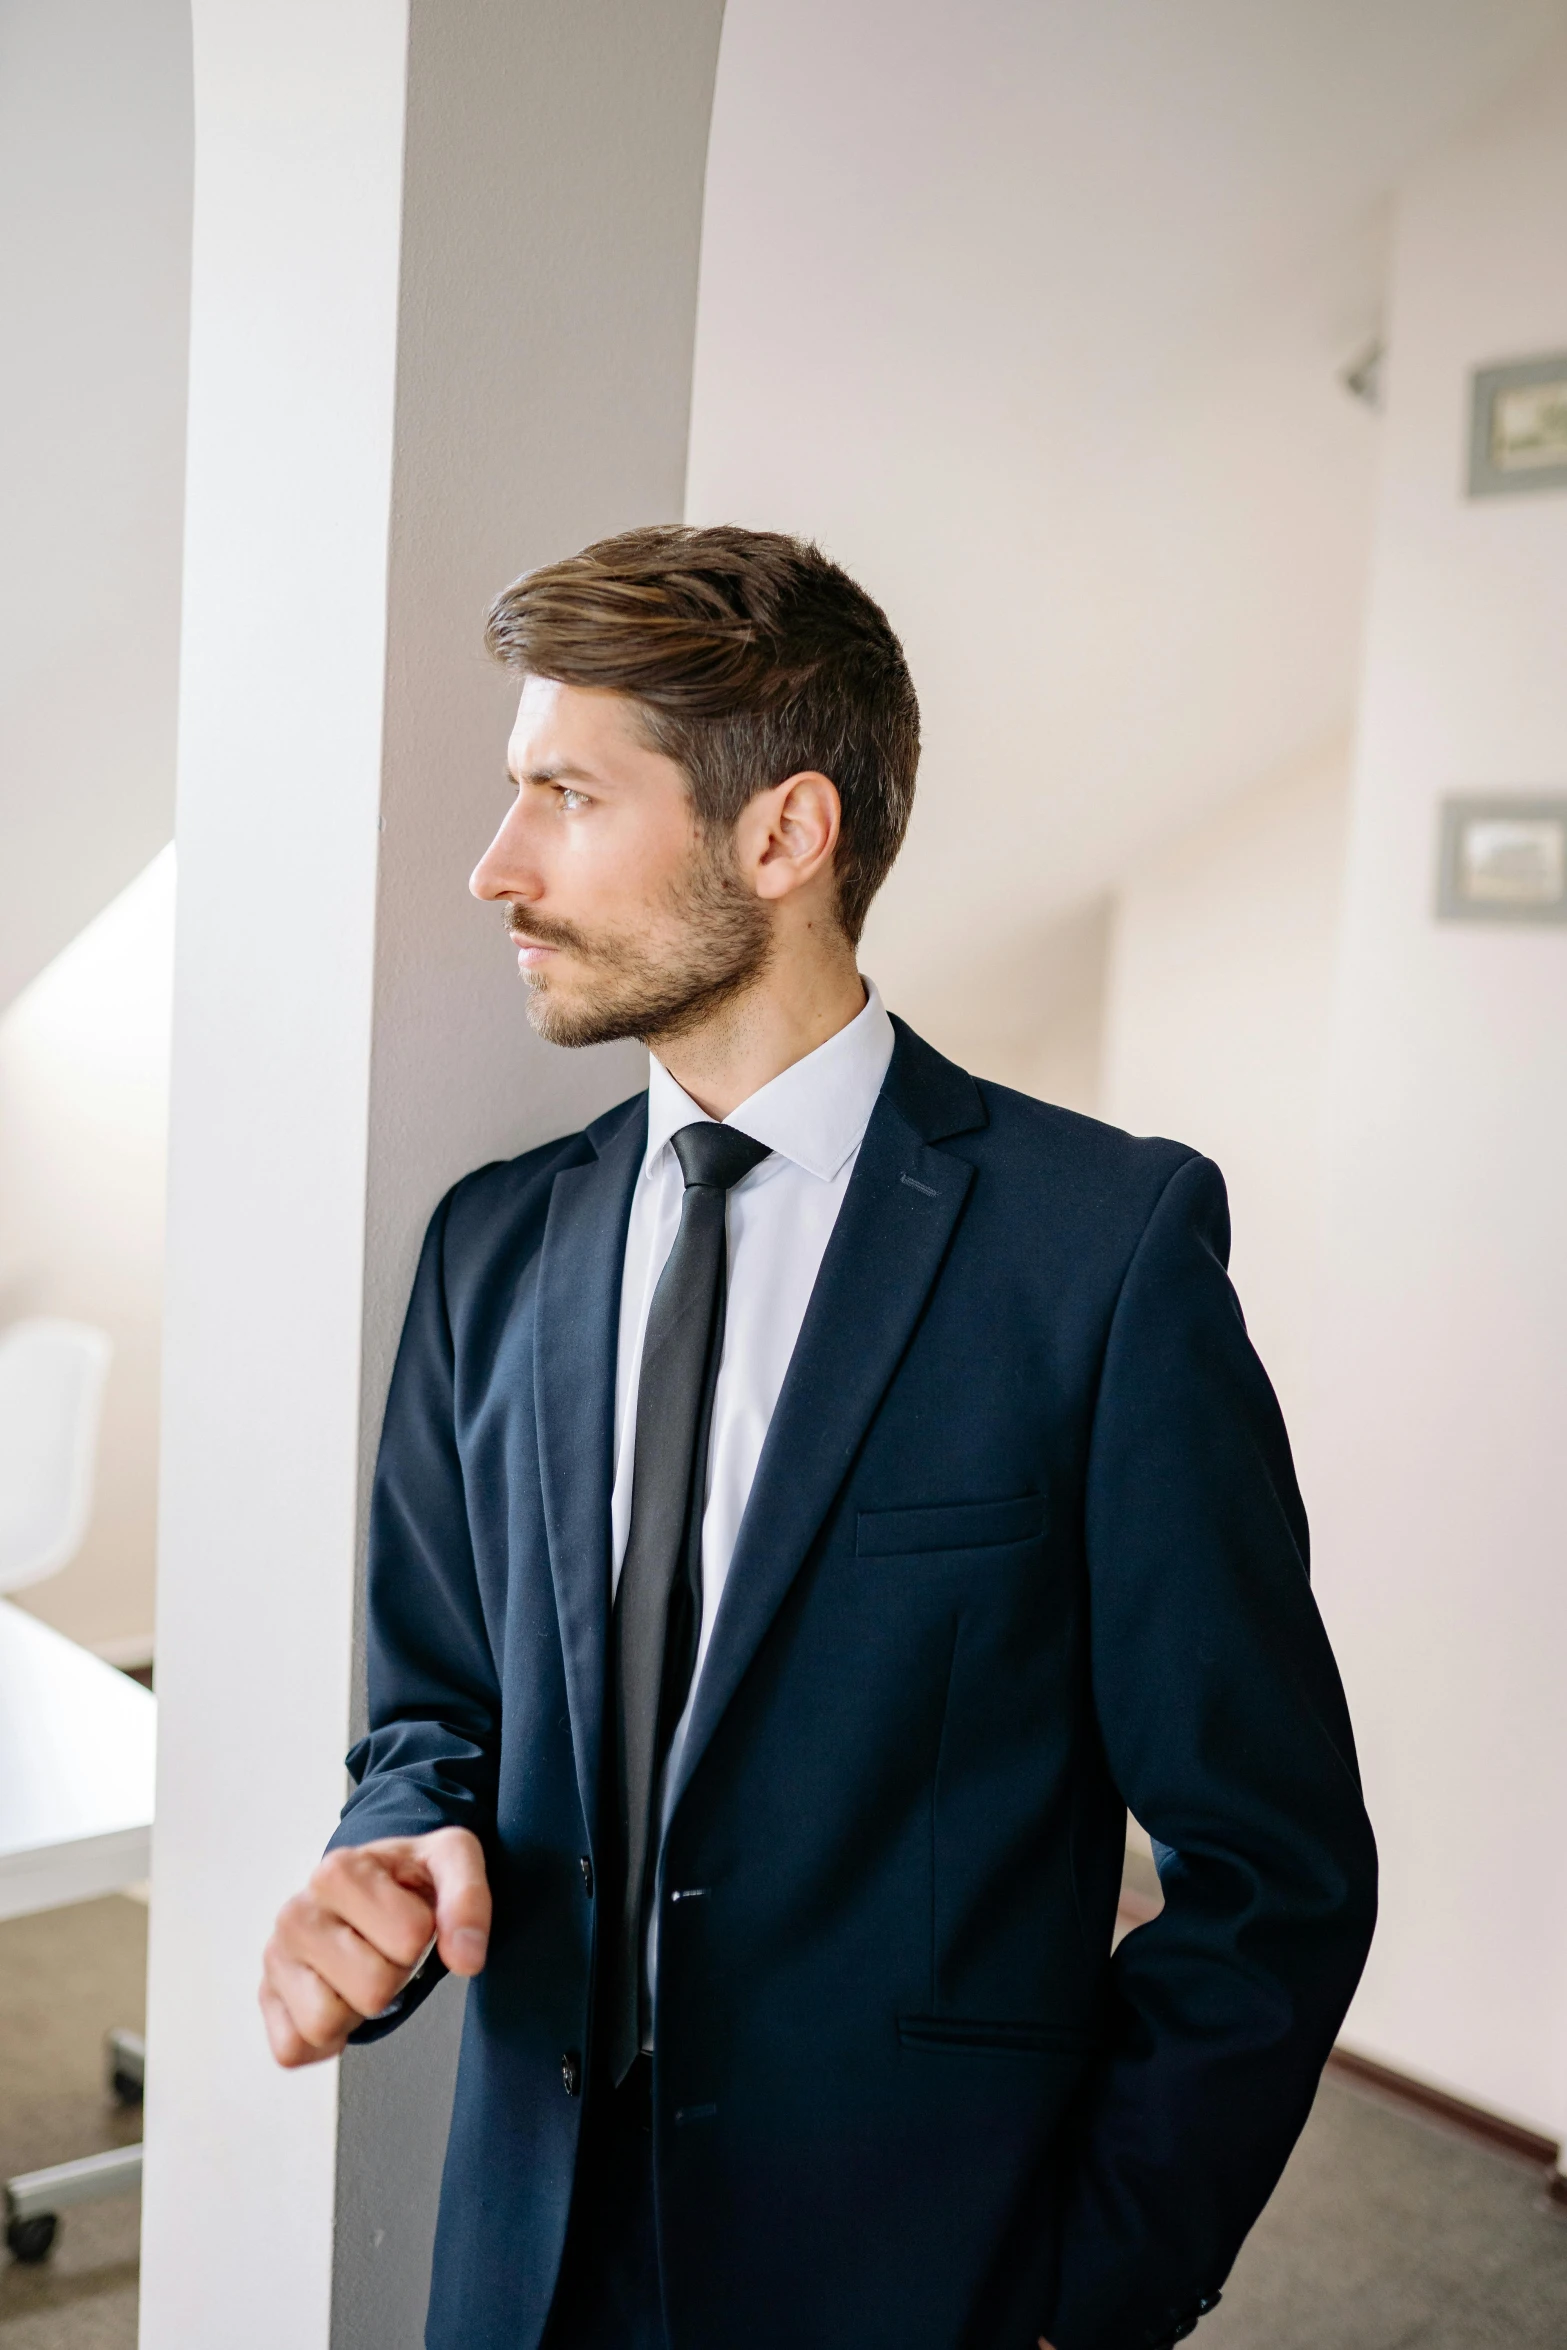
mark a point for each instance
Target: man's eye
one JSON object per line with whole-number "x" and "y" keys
{"x": 572, "y": 799}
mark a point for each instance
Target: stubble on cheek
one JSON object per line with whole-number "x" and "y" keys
{"x": 709, "y": 942}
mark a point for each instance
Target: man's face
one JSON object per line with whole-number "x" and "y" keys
{"x": 627, "y": 921}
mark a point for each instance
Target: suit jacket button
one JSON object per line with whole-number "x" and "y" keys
{"x": 586, "y": 1866}
{"x": 571, "y": 2073}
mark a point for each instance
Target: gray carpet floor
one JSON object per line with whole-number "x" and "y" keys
{"x": 67, "y": 1978}
{"x": 1386, "y": 2233}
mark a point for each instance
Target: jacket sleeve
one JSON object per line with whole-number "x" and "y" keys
{"x": 1225, "y": 1728}
{"x": 430, "y": 1757}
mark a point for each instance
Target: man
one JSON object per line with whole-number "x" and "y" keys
{"x": 814, "y": 1503}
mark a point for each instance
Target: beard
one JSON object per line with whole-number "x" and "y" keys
{"x": 716, "y": 943}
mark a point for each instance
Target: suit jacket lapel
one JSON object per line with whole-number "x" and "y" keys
{"x": 576, "y": 1333}
{"x": 898, "y": 1215}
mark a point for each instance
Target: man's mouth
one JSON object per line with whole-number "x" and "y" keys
{"x": 532, "y": 951}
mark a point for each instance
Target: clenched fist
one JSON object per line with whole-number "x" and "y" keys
{"x": 345, "y": 1947}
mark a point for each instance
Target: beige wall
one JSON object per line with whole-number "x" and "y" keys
{"x": 1436, "y": 1463}
{"x": 1033, "y": 1019}
{"x": 1218, "y": 1011}
{"x": 1387, "y": 1095}
{"x": 1034, "y": 316}
{"x": 84, "y": 1085}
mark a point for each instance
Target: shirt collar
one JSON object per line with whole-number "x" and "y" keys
{"x": 815, "y": 1112}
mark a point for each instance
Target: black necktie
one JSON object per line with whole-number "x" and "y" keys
{"x": 658, "y": 1604}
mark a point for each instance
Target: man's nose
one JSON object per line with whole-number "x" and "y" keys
{"x": 504, "y": 870}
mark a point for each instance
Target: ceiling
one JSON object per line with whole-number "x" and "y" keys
{"x": 95, "y": 169}
{"x": 1034, "y": 314}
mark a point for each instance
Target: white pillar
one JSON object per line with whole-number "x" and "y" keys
{"x": 1435, "y": 1464}
{"x": 444, "y": 281}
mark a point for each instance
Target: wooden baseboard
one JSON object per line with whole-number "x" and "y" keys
{"x": 1491, "y": 2129}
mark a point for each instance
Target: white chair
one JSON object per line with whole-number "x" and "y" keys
{"x": 51, "y": 1395}
{"x": 76, "y": 1739}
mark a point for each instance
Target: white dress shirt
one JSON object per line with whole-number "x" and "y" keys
{"x": 813, "y": 1118}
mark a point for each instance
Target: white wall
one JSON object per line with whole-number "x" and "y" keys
{"x": 1219, "y": 1007}
{"x": 84, "y": 1090}
{"x": 1034, "y": 1018}
{"x": 95, "y": 164}
{"x": 1034, "y": 314}
{"x": 1437, "y": 1455}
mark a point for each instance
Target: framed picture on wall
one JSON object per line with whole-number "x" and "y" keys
{"x": 1503, "y": 858}
{"x": 1518, "y": 428}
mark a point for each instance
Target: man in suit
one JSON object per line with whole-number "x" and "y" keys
{"x": 814, "y": 1503}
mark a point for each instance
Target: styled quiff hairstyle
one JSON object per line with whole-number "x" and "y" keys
{"x": 751, "y": 658}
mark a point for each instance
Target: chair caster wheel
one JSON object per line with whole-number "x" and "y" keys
{"x": 31, "y": 2240}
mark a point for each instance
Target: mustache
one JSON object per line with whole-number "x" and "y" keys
{"x": 543, "y": 929}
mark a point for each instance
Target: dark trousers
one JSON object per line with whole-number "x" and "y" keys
{"x": 608, "y": 2296}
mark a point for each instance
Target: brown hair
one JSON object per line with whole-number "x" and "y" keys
{"x": 752, "y": 658}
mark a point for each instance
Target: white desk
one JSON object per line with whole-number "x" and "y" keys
{"x": 76, "y": 1781}
{"x": 76, "y": 1770}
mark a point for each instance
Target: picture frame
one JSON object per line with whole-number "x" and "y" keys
{"x": 1503, "y": 858}
{"x": 1518, "y": 427}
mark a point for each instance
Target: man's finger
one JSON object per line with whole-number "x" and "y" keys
{"x": 320, "y": 2015}
{"x": 362, "y": 1976}
{"x": 289, "y": 2046}
{"x": 311, "y": 1935}
{"x": 370, "y": 1888}
{"x": 455, "y": 1861}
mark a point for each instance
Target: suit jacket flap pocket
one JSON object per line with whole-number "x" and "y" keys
{"x": 988, "y": 2038}
{"x": 963, "y": 1525}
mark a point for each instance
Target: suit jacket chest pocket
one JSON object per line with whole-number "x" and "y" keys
{"x": 955, "y": 1531}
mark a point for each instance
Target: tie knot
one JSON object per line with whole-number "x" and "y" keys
{"x": 716, "y": 1156}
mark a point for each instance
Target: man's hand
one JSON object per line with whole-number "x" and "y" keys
{"x": 345, "y": 1947}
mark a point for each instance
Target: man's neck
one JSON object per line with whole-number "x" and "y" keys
{"x": 753, "y": 1038}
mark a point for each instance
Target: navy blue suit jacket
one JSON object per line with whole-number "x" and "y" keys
{"x": 1024, "y": 1548}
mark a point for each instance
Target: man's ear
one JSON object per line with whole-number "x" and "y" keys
{"x": 787, "y": 837}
